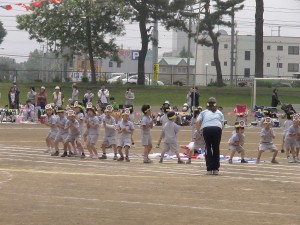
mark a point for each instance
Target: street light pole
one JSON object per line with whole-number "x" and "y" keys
{"x": 206, "y": 65}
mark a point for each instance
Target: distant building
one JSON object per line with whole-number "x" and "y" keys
{"x": 175, "y": 70}
{"x": 104, "y": 67}
{"x": 281, "y": 58}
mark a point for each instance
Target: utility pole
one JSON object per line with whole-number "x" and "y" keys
{"x": 278, "y": 61}
{"x": 189, "y": 49}
{"x": 232, "y": 46}
{"x": 155, "y": 43}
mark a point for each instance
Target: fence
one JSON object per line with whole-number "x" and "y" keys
{"x": 167, "y": 79}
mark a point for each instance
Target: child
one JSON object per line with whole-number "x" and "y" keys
{"x": 169, "y": 133}
{"x": 146, "y": 126}
{"x": 28, "y": 111}
{"x": 92, "y": 125}
{"x": 113, "y": 103}
{"x": 80, "y": 117}
{"x": 199, "y": 143}
{"x": 163, "y": 120}
{"x": 109, "y": 138}
{"x": 125, "y": 129}
{"x": 286, "y": 125}
{"x": 88, "y": 97}
{"x": 266, "y": 143}
{"x": 236, "y": 142}
{"x": 290, "y": 140}
{"x": 50, "y": 122}
{"x": 62, "y": 132}
{"x": 73, "y": 135}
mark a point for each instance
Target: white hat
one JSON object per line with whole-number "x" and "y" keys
{"x": 57, "y": 88}
{"x": 43, "y": 87}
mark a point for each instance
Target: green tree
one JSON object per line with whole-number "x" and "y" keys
{"x": 184, "y": 53}
{"x": 259, "y": 39}
{"x": 146, "y": 12}
{"x": 84, "y": 26}
{"x": 215, "y": 16}
{"x": 2, "y": 32}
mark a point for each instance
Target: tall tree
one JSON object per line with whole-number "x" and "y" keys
{"x": 85, "y": 26}
{"x": 2, "y": 32}
{"x": 259, "y": 39}
{"x": 145, "y": 12}
{"x": 215, "y": 16}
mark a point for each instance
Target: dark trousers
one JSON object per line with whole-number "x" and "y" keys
{"x": 212, "y": 137}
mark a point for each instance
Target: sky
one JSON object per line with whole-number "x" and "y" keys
{"x": 278, "y": 13}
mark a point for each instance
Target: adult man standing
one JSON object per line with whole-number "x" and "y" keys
{"x": 103, "y": 95}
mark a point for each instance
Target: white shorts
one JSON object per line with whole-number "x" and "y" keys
{"x": 124, "y": 142}
{"x": 91, "y": 139}
{"x": 52, "y": 135}
{"x": 61, "y": 137}
{"x": 237, "y": 148}
{"x": 170, "y": 146}
{"x": 265, "y": 147}
{"x": 146, "y": 140}
{"x": 71, "y": 138}
{"x": 290, "y": 143}
{"x": 108, "y": 141}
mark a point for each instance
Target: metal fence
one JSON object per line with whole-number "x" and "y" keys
{"x": 167, "y": 79}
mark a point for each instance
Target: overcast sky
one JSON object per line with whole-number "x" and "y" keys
{"x": 278, "y": 13}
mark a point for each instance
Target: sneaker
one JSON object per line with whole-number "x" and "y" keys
{"x": 82, "y": 156}
{"x": 127, "y": 159}
{"x": 64, "y": 154}
{"x": 55, "y": 153}
{"x": 115, "y": 157}
{"x": 209, "y": 172}
{"x": 71, "y": 154}
{"x": 282, "y": 151}
{"x": 148, "y": 160}
{"x": 230, "y": 161}
{"x": 103, "y": 157}
{"x": 180, "y": 161}
{"x": 215, "y": 172}
{"x": 161, "y": 160}
{"x": 189, "y": 161}
{"x": 274, "y": 161}
{"x": 291, "y": 160}
{"x": 297, "y": 160}
{"x": 47, "y": 151}
{"x": 244, "y": 161}
{"x": 257, "y": 161}
{"x": 120, "y": 159}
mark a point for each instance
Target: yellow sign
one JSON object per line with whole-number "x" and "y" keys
{"x": 155, "y": 72}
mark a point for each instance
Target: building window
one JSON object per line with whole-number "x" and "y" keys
{"x": 181, "y": 70}
{"x": 110, "y": 64}
{"x": 225, "y": 45}
{"x": 247, "y": 72}
{"x": 293, "y": 67}
{"x": 293, "y": 50}
{"x": 268, "y": 47}
{"x": 247, "y": 55}
{"x": 279, "y": 48}
{"x": 212, "y": 63}
{"x": 279, "y": 65}
{"x": 162, "y": 69}
{"x": 225, "y": 63}
{"x": 268, "y": 64}
{"x": 119, "y": 64}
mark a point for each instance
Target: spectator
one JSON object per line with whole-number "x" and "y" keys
{"x": 28, "y": 111}
{"x": 275, "y": 99}
{"x": 194, "y": 95}
{"x": 129, "y": 96}
{"x": 188, "y": 97}
{"x": 103, "y": 95}
{"x": 31, "y": 95}
{"x": 88, "y": 97}
{"x": 58, "y": 97}
{"x": 41, "y": 101}
{"x": 17, "y": 95}
{"x": 75, "y": 93}
{"x": 12, "y": 98}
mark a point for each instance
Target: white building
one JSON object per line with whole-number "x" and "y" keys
{"x": 281, "y": 58}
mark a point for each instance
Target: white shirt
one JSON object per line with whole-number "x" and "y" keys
{"x": 211, "y": 119}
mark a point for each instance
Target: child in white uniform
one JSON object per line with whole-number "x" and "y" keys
{"x": 146, "y": 126}
{"x": 50, "y": 122}
{"x": 93, "y": 126}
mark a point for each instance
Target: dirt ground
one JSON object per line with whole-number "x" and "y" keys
{"x": 37, "y": 189}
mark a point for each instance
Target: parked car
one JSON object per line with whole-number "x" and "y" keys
{"x": 133, "y": 80}
{"x": 115, "y": 79}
